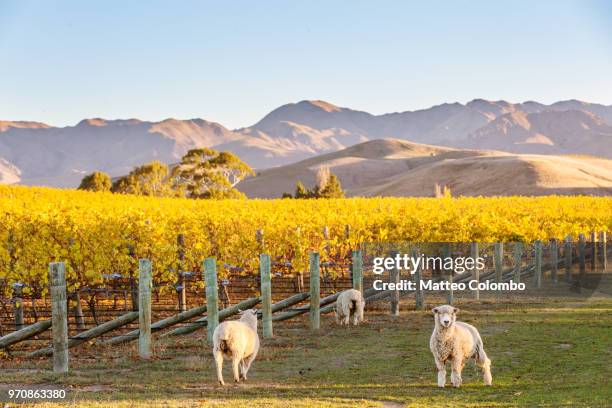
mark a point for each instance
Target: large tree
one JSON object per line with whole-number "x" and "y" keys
{"x": 96, "y": 181}
{"x": 151, "y": 179}
{"x": 206, "y": 173}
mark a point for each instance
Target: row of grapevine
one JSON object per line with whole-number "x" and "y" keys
{"x": 102, "y": 233}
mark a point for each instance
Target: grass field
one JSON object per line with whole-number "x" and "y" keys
{"x": 553, "y": 353}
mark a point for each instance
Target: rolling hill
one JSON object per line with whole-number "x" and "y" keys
{"x": 394, "y": 167}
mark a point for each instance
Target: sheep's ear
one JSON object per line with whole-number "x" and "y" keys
{"x": 434, "y": 310}
{"x": 455, "y": 310}
{"x": 254, "y": 311}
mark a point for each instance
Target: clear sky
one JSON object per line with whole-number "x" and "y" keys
{"x": 232, "y": 62}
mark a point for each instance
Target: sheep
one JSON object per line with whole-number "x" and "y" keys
{"x": 457, "y": 342}
{"x": 349, "y": 303}
{"x": 237, "y": 340}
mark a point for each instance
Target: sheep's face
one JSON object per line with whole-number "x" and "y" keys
{"x": 445, "y": 315}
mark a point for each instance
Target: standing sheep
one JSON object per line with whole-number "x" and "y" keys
{"x": 349, "y": 303}
{"x": 457, "y": 342}
{"x": 237, "y": 340}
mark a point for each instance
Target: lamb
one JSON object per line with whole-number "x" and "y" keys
{"x": 457, "y": 342}
{"x": 239, "y": 341}
{"x": 349, "y": 303}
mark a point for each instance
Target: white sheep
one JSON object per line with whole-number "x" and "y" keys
{"x": 237, "y": 340}
{"x": 349, "y": 303}
{"x": 457, "y": 342}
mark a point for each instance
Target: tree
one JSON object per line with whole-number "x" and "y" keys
{"x": 206, "y": 173}
{"x": 151, "y": 179}
{"x": 332, "y": 188}
{"x": 301, "y": 191}
{"x": 96, "y": 181}
{"x": 327, "y": 186}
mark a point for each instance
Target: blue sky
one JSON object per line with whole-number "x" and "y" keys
{"x": 233, "y": 62}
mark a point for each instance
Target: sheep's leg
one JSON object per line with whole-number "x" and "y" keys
{"x": 483, "y": 361}
{"x": 355, "y": 319}
{"x": 441, "y": 373}
{"x": 236, "y": 368}
{"x": 242, "y": 368}
{"x": 218, "y": 355}
{"x": 247, "y": 364}
{"x": 457, "y": 366}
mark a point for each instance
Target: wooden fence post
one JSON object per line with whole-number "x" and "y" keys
{"x": 18, "y": 305}
{"x": 394, "y": 277}
{"x": 59, "y": 316}
{"x": 180, "y": 288}
{"x": 145, "y": 284}
{"x": 133, "y": 287}
{"x": 419, "y": 300}
{"x": 474, "y": 253}
{"x": 581, "y": 255}
{"x": 212, "y": 303}
{"x": 554, "y": 259}
{"x": 315, "y": 295}
{"x": 604, "y": 251}
{"x": 498, "y": 260}
{"x": 259, "y": 236}
{"x": 593, "y": 252}
{"x": 357, "y": 270}
{"x": 266, "y": 294}
{"x": 568, "y": 259}
{"x": 518, "y": 256}
{"x": 446, "y": 253}
{"x": 538, "y": 263}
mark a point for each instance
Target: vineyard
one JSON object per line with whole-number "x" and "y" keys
{"x": 100, "y": 235}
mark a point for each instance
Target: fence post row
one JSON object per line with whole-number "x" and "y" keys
{"x": 554, "y": 258}
{"x": 419, "y": 298}
{"x": 394, "y": 277}
{"x": 446, "y": 253}
{"x": 357, "y": 270}
{"x": 604, "y": 253}
{"x": 145, "y": 285}
{"x": 181, "y": 289}
{"x": 581, "y": 255}
{"x": 59, "y": 316}
{"x": 568, "y": 259}
{"x": 593, "y": 251}
{"x": 212, "y": 303}
{"x": 18, "y": 305}
{"x": 315, "y": 295}
{"x": 474, "y": 253}
{"x": 498, "y": 258}
{"x": 518, "y": 256}
{"x": 266, "y": 294}
{"x": 538, "y": 263}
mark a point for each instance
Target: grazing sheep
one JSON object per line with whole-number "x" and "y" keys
{"x": 457, "y": 342}
{"x": 349, "y": 303}
{"x": 238, "y": 341}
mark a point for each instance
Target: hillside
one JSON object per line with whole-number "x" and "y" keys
{"x": 397, "y": 168}
{"x": 39, "y": 154}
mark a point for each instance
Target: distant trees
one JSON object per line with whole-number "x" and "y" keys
{"x": 206, "y": 173}
{"x": 96, "y": 181}
{"x": 151, "y": 179}
{"x": 327, "y": 186}
{"x": 201, "y": 173}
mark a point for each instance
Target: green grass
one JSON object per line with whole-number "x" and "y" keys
{"x": 543, "y": 354}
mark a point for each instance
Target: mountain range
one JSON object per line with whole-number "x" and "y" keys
{"x": 35, "y": 153}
